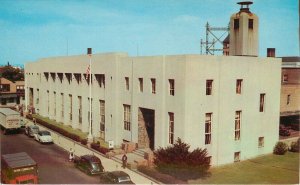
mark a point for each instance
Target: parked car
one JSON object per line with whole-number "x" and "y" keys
{"x": 115, "y": 177}
{"x": 31, "y": 130}
{"x": 89, "y": 164}
{"x": 43, "y": 136}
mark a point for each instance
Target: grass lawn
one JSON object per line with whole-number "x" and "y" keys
{"x": 268, "y": 169}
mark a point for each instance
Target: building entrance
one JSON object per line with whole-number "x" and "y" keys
{"x": 146, "y": 128}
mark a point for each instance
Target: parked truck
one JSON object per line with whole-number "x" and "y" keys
{"x": 9, "y": 119}
{"x": 18, "y": 168}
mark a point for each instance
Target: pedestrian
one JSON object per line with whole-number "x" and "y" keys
{"x": 71, "y": 155}
{"x": 124, "y": 160}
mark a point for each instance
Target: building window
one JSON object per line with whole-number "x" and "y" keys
{"x": 239, "y": 86}
{"x": 80, "y": 110}
{"x": 236, "y": 24}
{"x": 171, "y": 128}
{"x": 261, "y": 142}
{"x": 127, "y": 83}
{"x": 100, "y": 79}
{"x": 288, "y": 99}
{"x": 102, "y": 119}
{"x": 141, "y": 85}
{"x": 237, "y": 156}
{"x": 237, "y": 127}
{"x": 172, "y": 87}
{"x": 70, "y": 108}
{"x": 285, "y": 78}
{"x": 90, "y": 112}
{"x": 62, "y": 105}
{"x": 126, "y": 117}
{"x": 262, "y": 102}
{"x": 54, "y": 100}
{"x": 153, "y": 85}
{"x": 208, "y": 117}
{"x": 209, "y": 87}
{"x": 250, "y": 24}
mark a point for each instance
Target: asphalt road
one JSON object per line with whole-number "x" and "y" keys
{"x": 53, "y": 164}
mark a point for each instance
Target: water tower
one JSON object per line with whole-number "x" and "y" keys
{"x": 244, "y": 32}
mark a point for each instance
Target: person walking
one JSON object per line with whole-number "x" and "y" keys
{"x": 124, "y": 160}
{"x": 71, "y": 155}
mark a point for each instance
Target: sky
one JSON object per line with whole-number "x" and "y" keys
{"x": 34, "y": 29}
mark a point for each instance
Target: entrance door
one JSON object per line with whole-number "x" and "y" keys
{"x": 146, "y": 125}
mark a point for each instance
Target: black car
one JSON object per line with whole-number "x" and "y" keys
{"x": 115, "y": 177}
{"x": 89, "y": 164}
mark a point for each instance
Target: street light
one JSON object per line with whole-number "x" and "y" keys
{"x": 90, "y": 136}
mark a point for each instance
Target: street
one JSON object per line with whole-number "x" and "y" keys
{"x": 53, "y": 164}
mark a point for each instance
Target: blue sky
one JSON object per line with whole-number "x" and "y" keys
{"x": 33, "y": 29}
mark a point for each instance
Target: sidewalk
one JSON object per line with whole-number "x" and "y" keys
{"x": 109, "y": 164}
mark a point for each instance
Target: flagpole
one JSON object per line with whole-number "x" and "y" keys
{"x": 90, "y": 136}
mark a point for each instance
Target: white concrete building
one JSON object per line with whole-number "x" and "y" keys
{"x": 227, "y": 104}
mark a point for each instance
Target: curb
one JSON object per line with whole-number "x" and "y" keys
{"x": 95, "y": 151}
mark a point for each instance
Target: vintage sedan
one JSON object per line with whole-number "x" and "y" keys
{"x": 115, "y": 177}
{"x": 89, "y": 164}
{"x": 43, "y": 136}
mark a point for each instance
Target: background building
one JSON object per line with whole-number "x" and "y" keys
{"x": 290, "y": 90}
{"x": 11, "y": 93}
{"x": 226, "y": 104}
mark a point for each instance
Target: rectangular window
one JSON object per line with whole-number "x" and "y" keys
{"x": 80, "y": 110}
{"x": 70, "y": 108}
{"x": 153, "y": 85}
{"x": 102, "y": 119}
{"x": 54, "y": 100}
{"x": 62, "y": 105}
{"x": 126, "y": 117}
{"x": 285, "y": 78}
{"x": 209, "y": 87}
{"x": 236, "y": 24}
{"x": 127, "y": 83}
{"x": 237, "y": 127}
{"x": 171, "y": 128}
{"x": 250, "y": 24}
{"x": 90, "y": 113}
{"x": 288, "y": 99}
{"x": 141, "y": 85}
{"x": 208, "y": 117}
{"x": 262, "y": 102}
{"x": 172, "y": 87}
{"x": 237, "y": 156}
{"x": 239, "y": 86}
{"x": 261, "y": 142}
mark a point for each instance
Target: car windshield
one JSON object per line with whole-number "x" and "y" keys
{"x": 35, "y": 129}
{"x": 45, "y": 133}
{"x": 96, "y": 166}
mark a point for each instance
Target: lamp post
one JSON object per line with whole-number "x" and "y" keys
{"x": 90, "y": 136}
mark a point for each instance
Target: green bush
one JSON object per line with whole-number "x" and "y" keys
{"x": 280, "y": 148}
{"x": 295, "y": 146}
{"x": 176, "y": 160}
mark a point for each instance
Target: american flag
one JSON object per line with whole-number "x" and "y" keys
{"x": 87, "y": 74}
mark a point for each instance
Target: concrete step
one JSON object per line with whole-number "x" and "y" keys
{"x": 139, "y": 153}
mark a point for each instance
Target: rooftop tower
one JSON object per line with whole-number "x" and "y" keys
{"x": 244, "y": 32}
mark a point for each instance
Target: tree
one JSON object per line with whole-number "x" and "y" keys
{"x": 176, "y": 160}
{"x": 12, "y": 74}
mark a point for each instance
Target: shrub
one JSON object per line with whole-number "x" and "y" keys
{"x": 295, "y": 146}
{"x": 177, "y": 161}
{"x": 280, "y": 148}
{"x": 83, "y": 141}
{"x": 103, "y": 150}
{"x": 284, "y": 131}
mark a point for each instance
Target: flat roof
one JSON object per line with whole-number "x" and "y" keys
{"x": 18, "y": 160}
{"x": 8, "y": 111}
